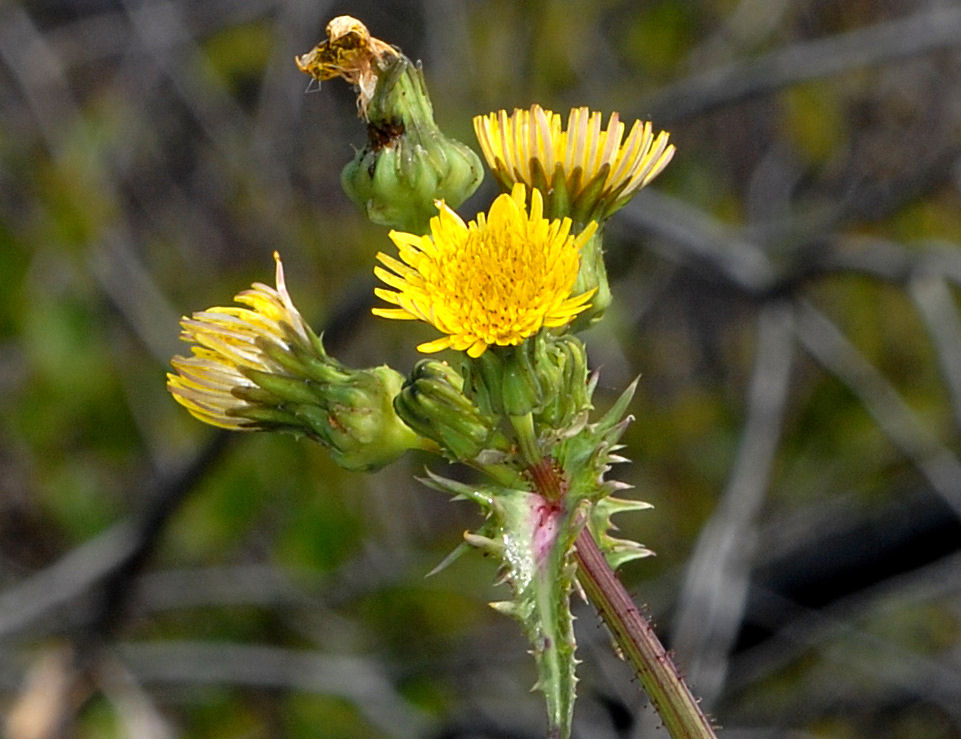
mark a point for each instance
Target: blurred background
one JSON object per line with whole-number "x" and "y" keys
{"x": 787, "y": 291}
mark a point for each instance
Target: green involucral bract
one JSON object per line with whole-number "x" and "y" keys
{"x": 545, "y": 375}
{"x": 350, "y": 411}
{"x": 593, "y": 276}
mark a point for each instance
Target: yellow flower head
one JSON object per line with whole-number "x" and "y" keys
{"x": 597, "y": 171}
{"x": 494, "y": 281}
{"x": 227, "y": 341}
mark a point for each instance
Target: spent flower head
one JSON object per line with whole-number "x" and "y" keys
{"x": 495, "y": 281}
{"x": 408, "y": 162}
{"x": 350, "y": 52}
{"x": 589, "y": 171}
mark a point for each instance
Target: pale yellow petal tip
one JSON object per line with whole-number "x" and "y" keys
{"x": 226, "y": 342}
{"x": 279, "y": 274}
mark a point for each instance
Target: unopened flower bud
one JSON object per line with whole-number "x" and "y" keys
{"x": 561, "y": 366}
{"x": 433, "y": 404}
{"x": 503, "y": 381}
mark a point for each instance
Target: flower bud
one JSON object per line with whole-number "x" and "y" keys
{"x": 408, "y": 163}
{"x": 545, "y": 375}
{"x": 561, "y": 366}
{"x": 502, "y": 381}
{"x": 433, "y": 404}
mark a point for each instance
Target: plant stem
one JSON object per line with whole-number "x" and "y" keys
{"x": 665, "y": 687}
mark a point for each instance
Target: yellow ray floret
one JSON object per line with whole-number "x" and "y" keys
{"x": 492, "y": 282}
{"x": 532, "y": 146}
{"x": 228, "y": 340}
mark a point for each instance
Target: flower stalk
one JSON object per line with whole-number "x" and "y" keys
{"x": 669, "y": 694}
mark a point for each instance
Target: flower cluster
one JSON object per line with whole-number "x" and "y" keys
{"x": 506, "y": 291}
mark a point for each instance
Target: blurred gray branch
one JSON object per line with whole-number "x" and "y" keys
{"x": 360, "y": 680}
{"x": 711, "y": 602}
{"x": 920, "y": 33}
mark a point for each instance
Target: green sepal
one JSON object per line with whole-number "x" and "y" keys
{"x": 317, "y": 423}
{"x": 540, "y": 180}
{"x": 558, "y": 204}
{"x": 483, "y": 378}
{"x": 254, "y": 395}
{"x": 521, "y": 390}
{"x": 269, "y": 418}
{"x": 585, "y": 207}
{"x": 561, "y": 365}
{"x": 503, "y": 381}
{"x": 290, "y": 389}
{"x": 592, "y": 276}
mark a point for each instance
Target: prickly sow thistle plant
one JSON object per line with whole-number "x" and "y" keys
{"x": 504, "y": 291}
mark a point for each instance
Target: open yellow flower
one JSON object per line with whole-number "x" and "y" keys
{"x": 494, "y": 281}
{"x": 211, "y": 382}
{"x": 589, "y": 171}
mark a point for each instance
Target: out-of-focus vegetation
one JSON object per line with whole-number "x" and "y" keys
{"x": 787, "y": 292}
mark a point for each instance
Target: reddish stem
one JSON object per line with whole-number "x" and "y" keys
{"x": 663, "y": 683}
